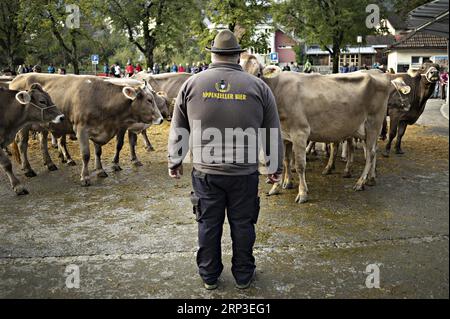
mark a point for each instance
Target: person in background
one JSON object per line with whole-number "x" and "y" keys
{"x": 308, "y": 67}
{"x": 204, "y": 67}
{"x": 443, "y": 82}
{"x": 37, "y": 68}
{"x": 286, "y": 67}
{"x": 156, "y": 69}
{"x": 174, "y": 68}
{"x": 129, "y": 70}
{"x": 294, "y": 67}
{"x": 188, "y": 68}
{"x": 106, "y": 69}
{"x": 181, "y": 69}
{"x": 62, "y": 71}
{"x": 138, "y": 68}
{"x": 194, "y": 69}
{"x": 118, "y": 71}
{"x": 51, "y": 69}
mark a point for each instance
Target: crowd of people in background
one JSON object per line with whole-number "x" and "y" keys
{"x": 115, "y": 70}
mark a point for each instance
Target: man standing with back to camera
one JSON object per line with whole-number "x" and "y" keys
{"x": 225, "y": 97}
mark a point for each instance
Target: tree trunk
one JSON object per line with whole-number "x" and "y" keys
{"x": 149, "y": 48}
{"x": 336, "y": 55}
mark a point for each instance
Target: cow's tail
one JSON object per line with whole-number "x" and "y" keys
{"x": 16, "y": 153}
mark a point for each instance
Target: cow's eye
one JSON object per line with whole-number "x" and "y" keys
{"x": 42, "y": 101}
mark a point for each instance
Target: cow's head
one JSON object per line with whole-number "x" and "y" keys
{"x": 143, "y": 105}
{"x": 399, "y": 94}
{"x": 430, "y": 71}
{"x": 251, "y": 65}
{"x": 39, "y": 105}
{"x": 162, "y": 101}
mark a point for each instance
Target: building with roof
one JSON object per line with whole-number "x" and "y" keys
{"x": 415, "y": 49}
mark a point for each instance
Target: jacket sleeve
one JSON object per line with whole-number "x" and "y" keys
{"x": 178, "y": 144}
{"x": 272, "y": 142}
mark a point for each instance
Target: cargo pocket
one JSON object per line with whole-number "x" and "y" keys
{"x": 256, "y": 210}
{"x": 195, "y": 201}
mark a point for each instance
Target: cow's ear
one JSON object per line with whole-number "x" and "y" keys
{"x": 36, "y": 86}
{"x": 23, "y": 97}
{"x": 130, "y": 93}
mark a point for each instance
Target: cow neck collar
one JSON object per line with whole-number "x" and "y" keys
{"x": 226, "y": 66}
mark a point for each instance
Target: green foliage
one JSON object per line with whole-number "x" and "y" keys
{"x": 329, "y": 23}
{"x": 241, "y": 17}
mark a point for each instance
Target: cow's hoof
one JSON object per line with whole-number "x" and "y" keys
{"x": 383, "y": 137}
{"x": 30, "y": 174}
{"x": 347, "y": 175}
{"x": 358, "y": 187}
{"x": 85, "y": 182}
{"x": 399, "y": 152}
{"x": 71, "y": 163}
{"x": 137, "y": 163}
{"x": 20, "y": 190}
{"x": 274, "y": 191}
{"x": 288, "y": 185}
{"x": 300, "y": 199}
{"x": 327, "y": 171}
{"x": 385, "y": 154}
{"x": 52, "y": 167}
{"x": 371, "y": 182}
{"x": 116, "y": 168}
{"x": 149, "y": 149}
{"x": 102, "y": 174}
{"x": 63, "y": 160}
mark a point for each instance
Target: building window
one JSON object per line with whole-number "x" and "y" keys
{"x": 415, "y": 59}
{"x": 348, "y": 59}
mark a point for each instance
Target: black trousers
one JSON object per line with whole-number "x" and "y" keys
{"x": 238, "y": 195}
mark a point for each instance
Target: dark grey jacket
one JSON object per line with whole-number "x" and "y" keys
{"x": 214, "y": 108}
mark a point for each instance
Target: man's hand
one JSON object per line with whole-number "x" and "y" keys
{"x": 273, "y": 178}
{"x": 176, "y": 172}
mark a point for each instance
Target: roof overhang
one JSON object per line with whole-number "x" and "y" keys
{"x": 431, "y": 18}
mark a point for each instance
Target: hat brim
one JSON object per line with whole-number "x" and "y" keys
{"x": 225, "y": 51}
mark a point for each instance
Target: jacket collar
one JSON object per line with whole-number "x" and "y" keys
{"x": 226, "y": 65}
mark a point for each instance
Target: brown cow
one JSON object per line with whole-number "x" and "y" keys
{"x": 327, "y": 109}
{"x": 96, "y": 109}
{"x": 422, "y": 83}
{"x": 18, "y": 109}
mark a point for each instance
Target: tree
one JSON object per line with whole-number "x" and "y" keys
{"x": 149, "y": 23}
{"x": 333, "y": 24}
{"x": 241, "y": 17}
{"x": 53, "y": 17}
{"x": 13, "y": 31}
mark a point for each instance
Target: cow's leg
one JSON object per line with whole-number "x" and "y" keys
{"x": 132, "y": 139}
{"x": 148, "y": 145}
{"x": 393, "y": 125}
{"x": 383, "y": 134}
{"x": 276, "y": 188}
{"x": 401, "y": 131}
{"x": 22, "y": 142}
{"x": 299, "y": 146}
{"x": 349, "y": 153}
{"x": 6, "y": 165}
{"x": 98, "y": 161}
{"x": 83, "y": 139}
{"x": 44, "y": 149}
{"x": 64, "y": 151}
{"x": 287, "y": 180}
{"x": 120, "y": 137}
{"x": 371, "y": 145}
{"x": 332, "y": 160}
{"x": 54, "y": 141}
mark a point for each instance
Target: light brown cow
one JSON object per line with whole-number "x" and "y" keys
{"x": 327, "y": 109}
{"x": 18, "y": 109}
{"x": 96, "y": 110}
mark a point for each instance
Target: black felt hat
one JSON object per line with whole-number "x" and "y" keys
{"x": 225, "y": 43}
